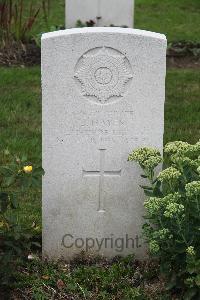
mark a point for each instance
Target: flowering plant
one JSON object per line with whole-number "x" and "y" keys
{"x": 16, "y": 178}
{"x": 172, "y": 208}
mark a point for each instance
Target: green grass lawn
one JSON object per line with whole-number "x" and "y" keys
{"x": 178, "y": 19}
{"x": 20, "y": 112}
{"x": 182, "y": 107}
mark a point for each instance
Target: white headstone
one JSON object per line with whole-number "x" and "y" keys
{"x": 103, "y": 96}
{"x": 102, "y": 12}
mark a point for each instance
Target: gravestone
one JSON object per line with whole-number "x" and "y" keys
{"x": 101, "y": 12}
{"x": 103, "y": 96}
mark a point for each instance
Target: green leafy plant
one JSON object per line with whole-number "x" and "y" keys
{"x": 46, "y": 7}
{"x": 16, "y": 178}
{"x": 173, "y": 213}
{"x": 92, "y": 23}
{"x": 46, "y": 12}
{"x": 15, "y": 23}
{"x": 81, "y": 24}
{"x": 17, "y": 18}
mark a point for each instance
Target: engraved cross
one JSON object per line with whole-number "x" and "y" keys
{"x": 101, "y": 173}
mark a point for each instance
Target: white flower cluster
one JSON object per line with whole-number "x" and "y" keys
{"x": 178, "y": 159}
{"x": 190, "y": 251}
{"x": 197, "y": 147}
{"x": 169, "y": 174}
{"x": 154, "y": 247}
{"x": 182, "y": 148}
{"x": 193, "y": 189}
{"x": 174, "y": 209}
{"x": 162, "y": 234}
{"x": 155, "y": 205}
{"x": 152, "y": 162}
{"x": 147, "y": 157}
{"x": 178, "y": 147}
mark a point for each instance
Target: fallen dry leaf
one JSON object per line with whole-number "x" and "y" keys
{"x": 45, "y": 277}
{"x": 60, "y": 284}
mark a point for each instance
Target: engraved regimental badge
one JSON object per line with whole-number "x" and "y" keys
{"x": 103, "y": 74}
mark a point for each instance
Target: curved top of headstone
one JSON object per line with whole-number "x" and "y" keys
{"x": 73, "y": 31}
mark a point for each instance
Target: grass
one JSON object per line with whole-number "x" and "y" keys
{"x": 178, "y": 19}
{"x": 182, "y": 107}
{"x": 20, "y": 113}
{"x": 91, "y": 278}
{"x": 20, "y": 126}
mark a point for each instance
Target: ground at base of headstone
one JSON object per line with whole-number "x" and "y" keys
{"x": 88, "y": 277}
{"x": 183, "y": 62}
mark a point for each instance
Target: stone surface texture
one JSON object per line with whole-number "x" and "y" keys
{"x": 103, "y": 96}
{"x": 102, "y": 12}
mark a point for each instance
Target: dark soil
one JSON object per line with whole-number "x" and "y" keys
{"x": 19, "y": 54}
{"x": 187, "y": 61}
